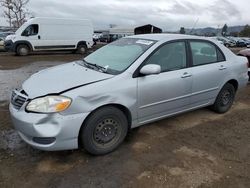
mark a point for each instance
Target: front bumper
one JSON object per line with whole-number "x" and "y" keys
{"x": 49, "y": 132}
{"x": 9, "y": 46}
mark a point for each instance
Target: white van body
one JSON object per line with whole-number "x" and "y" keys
{"x": 52, "y": 34}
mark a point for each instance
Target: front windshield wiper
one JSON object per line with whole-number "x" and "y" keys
{"x": 98, "y": 67}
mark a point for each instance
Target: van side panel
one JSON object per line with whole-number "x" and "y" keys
{"x": 63, "y": 36}
{"x": 57, "y": 33}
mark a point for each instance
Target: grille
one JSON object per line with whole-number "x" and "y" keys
{"x": 18, "y": 99}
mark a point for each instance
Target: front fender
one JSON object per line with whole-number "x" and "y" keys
{"x": 22, "y": 42}
{"x": 90, "y": 97}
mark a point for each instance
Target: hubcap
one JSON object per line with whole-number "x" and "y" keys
{"x": 82, "y": 49}
{"x": 23, "y": 51}
{"x": 226, "y": 97}
{"x": 106, "y": 131}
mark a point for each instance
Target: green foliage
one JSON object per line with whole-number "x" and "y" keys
{"x": 224, "y": 30}
{"x": 234, "y": 34}
{"x": 245, "y": 32}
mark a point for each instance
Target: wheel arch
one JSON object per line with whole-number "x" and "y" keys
{"x": 121, "y": 107}
{"x": 22, "y": 42}
{"x": 234, "y": 82}
{"x": 81, "y": 43}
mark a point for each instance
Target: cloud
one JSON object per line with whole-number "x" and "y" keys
{"x": 223, "y": 9}
{"x": 184, "y": 8}
{"x": 169, "y": 15}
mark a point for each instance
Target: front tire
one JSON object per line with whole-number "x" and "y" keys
{"x": 104, "y": 131}
{"x": 82, "y": 49}
{"x": 22, "y": 50}
{"x": 225, "y": 99}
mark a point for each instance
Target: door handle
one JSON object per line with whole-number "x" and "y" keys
{"x": 39, "y": 37}
{"x": 186, "y": 75}
{"x": 222, "y": 67}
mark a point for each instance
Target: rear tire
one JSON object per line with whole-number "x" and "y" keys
{"x": 225, "y": 99}
{"x": 104, "y": 131}
{"x": 22, "y": 50}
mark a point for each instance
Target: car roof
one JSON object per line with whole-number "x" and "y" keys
{"x": 165, "y": 37}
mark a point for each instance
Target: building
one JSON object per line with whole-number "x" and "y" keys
{"x": 145, "y": 29}
{"x": 115, "y": 33}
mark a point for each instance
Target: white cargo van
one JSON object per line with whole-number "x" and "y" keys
{"x": 39, "y": 34}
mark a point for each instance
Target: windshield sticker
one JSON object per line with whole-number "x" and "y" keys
{"x": 145, "y": 42}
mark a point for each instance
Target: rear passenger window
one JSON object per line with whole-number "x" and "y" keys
{"x": 205, "y": 53}
{"x": 220, "y": 56}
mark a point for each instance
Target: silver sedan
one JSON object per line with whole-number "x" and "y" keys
{"x": 92, "y": 103}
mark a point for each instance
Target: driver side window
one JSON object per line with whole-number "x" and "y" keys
{"x": 31, "y": 30}
{"x": 171, "y": 56}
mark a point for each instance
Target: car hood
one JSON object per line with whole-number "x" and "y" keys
{"x": 61, "y": 78}
{"x": 10, "y": 37}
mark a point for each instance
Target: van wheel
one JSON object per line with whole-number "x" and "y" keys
{"x": 22, "y": 50}
{"x": 82, "y": 49}
{"x": 104, "y": 131}
{"x": 225, "y": 99}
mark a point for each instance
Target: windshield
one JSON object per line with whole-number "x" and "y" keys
{"x": 3, "y": 35}
{"x": 119, "y": 55}
{"x": 23, "y": 27}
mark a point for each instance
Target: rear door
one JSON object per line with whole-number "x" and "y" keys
{"x": 209, "y": 69}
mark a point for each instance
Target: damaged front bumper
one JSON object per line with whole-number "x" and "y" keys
{"x": 49, "y": 132}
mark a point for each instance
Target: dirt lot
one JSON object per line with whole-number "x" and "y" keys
{"x": 196, "y": 149}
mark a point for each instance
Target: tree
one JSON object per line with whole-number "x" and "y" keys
{"x": 213, "y": 34}
{"x": 224, "y": 30}
{"x": 234, "y": 34}
{"x": 245, "y": 32}
{"x": 7, "y": 5}
{"x": 15, "y": 11}
{"x": 182, "y": 30}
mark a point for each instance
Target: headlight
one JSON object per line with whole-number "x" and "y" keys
{"x": 49, "y": 104}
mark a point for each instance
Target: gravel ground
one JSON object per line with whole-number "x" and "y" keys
{"x": 195, "y": 149}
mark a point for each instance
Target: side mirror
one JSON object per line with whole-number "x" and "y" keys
{"x": 150, "y": 69}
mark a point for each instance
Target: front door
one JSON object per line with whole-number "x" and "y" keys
{"x": 168, "y": 92}
{"x": 32, "y": 35}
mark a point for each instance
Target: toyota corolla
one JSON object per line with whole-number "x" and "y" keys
{"x": 92, "y": 103}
